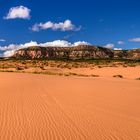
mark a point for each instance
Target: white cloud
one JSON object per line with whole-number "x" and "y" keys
{"x": 16, "y": 46}
{"x": 8, "y": 53}
{"x": 109, "y": 46}
{"x": 81, "y": 43}
{"x": 58, "y": 43}
{"x": 135, "y": 40}
{"x": 118, "y": 49}
{"x": 63, "y": 43}
{"x": 18, "y": 12}
{"x": 62, "y": 26}
{"x": 121, "y": 42}
{"x": 31, "y": 43}
{"x": 10, "y": 49}
{"x": 2, "y": 40}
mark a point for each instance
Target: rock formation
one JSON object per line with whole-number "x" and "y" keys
{"x": 78, "y": 52}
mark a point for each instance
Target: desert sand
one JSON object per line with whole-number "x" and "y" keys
{"x": 106, "y": 72}
{"x": 44, "y": 107}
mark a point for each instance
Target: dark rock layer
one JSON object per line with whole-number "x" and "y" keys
{"x": 78, "y": 52}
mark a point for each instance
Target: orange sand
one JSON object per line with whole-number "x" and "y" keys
{"x": 41, "y": 107}
{"x": 126, "y": 72}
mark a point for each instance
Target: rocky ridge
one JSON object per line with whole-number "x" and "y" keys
{"x": 76, "y": 52}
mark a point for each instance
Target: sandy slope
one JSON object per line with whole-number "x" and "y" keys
{"x": 40, "y": 107}
{"x": 126, "y": 72}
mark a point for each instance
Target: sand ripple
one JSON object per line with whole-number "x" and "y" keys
{"x": 38, "y": 107}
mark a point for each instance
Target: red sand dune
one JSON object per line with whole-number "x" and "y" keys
{"x": 40, "y": 107}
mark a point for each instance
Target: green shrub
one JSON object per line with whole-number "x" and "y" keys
{"x": 94, "y": 75}
{"x": 118, "y": 76}
{"x": 138, "y": 78}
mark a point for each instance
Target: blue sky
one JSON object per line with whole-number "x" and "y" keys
{"x": 99, "y": 22}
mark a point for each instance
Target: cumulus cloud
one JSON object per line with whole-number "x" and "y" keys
{"x": 10, "y": 49}
{"x": 81, "y": 43}
{"x": 67, "y": 25}
{"x": 2, "y": 40}
{"x": 121, "y": 42}
{"x": 63, "y": 43}
{"x": 118, "y": 49}
{"x": 8, "y": 53}
{"x": 58, "y": 43}
{"x": 135, "y": 39}
{"x": 109, "y": 46}
{"x": 31, "y": 43}
{"x": 18, "y": 12}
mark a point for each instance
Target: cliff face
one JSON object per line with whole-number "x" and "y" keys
{"x": 78, "y": 52}
{"x": 127, "y": 54}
